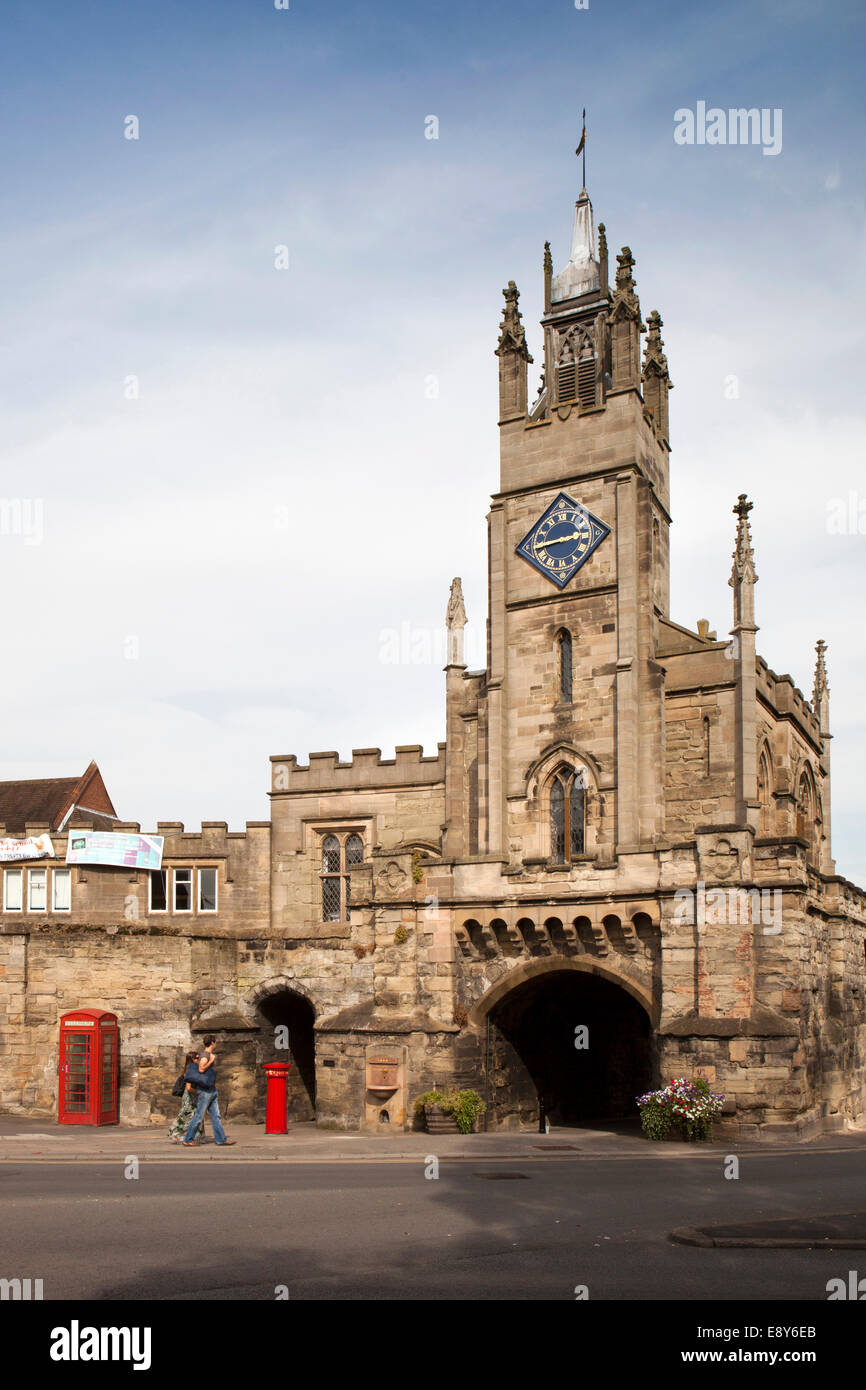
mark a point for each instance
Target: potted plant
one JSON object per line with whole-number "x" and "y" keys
{"x": 683, "y": 1110}
{"x": 450, "y": 1112}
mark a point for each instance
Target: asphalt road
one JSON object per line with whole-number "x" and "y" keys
{"x": 381, "y": 1230}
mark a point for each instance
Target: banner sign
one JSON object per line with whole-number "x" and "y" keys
{"x": 34, "y": 847}
{"x": 123, "y": 851}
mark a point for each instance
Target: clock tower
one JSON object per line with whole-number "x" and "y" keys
{"x": 578, "y": 580}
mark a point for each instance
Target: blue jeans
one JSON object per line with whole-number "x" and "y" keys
{"x": 207, "y": 1105}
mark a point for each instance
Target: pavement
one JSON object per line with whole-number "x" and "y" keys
{"x": 43, "y": 1140}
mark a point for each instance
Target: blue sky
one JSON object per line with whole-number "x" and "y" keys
{"x": 188, "y": 518}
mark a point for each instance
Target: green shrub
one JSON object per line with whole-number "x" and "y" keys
{"x": 465, "y": 1106}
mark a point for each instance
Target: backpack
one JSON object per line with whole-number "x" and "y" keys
{"x": 179, "y": 1086}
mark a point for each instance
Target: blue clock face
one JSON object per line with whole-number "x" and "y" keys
{"x": 562, "y": 539}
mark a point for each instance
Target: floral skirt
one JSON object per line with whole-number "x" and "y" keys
{"x": 184, "y": 1115}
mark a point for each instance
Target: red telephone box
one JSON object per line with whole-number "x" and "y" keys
{"x": 88, "y": 1068}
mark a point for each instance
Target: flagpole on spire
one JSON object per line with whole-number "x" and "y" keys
{"x": 581, "y": 149}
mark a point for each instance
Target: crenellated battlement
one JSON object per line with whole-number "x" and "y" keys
{"x": 784, "y": 697}
{"x": 367, "y": 768}
{"x": 211, "y": 835}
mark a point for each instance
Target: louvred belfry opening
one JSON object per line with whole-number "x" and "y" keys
{"x": 586, "y": 380}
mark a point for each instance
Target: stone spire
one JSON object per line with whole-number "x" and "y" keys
{"x": 743, "y": 571}
{"x": 582, "y": 272}
{"x": 513, "y": 357}
{"x": 742, "y": 581}
{"x": 655, "y": 377}
{"x": 821, "y": 706}
{"x": 820, "y": 688}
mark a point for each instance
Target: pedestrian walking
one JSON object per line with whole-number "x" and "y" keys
{"x": 203, "y": 1074}
{"x": 187, "y": 1105}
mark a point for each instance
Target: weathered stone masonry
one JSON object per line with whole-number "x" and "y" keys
{"x": 626, "y": 828}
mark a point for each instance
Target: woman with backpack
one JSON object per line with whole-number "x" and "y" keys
{"x": 188, "y": 1104}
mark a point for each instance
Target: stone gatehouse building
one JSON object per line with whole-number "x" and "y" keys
{"x": 626, "y": 830}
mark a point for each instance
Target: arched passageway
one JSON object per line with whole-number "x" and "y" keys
{"x": 283, "y": 1009}
{"x": 535, "y": 1069}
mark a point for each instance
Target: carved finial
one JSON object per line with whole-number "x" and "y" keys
{"x": 744, "y": 556}
{"x": 624, "y": 266}
{"x": 742, "y": 508}
{"x": 602, "y": 258}
{"x": 455, "y": 621}
{"x": 654, "y": 357}
{"x": 820, "y": 688}
{"x": 625, "y": 292}
{"x": 512, "y": 335}
{"x": 548, "y": 259}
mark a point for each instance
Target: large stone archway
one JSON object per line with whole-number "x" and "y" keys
{"x": 568, "y": 1043}
{"x": 284, "y": 1013}
{"x": 532, "y": 969}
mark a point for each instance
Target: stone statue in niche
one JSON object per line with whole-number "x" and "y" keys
{"x": 455, "y": 622}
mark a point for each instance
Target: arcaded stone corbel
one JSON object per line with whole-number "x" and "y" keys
{"x": 542, "y": 934}
{"x": 570, "y": 932}
{"x": 632, "y": 943}
{"x": 465, "y": 943}
{"x": 600, "y": 936}
{"x": 515, "y": 936}
{"x": 490, "y": 939}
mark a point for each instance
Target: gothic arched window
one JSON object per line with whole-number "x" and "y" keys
{"x": 338, "y": 853}
{"x": 805, "y": 806}
{"x": 577, "y": 371}
{"x": 765, "y": 793}
{"x": 567, "y": 815}
{"x": 564, "y": 645}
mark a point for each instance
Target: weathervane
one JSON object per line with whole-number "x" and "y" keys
{"x": 581, "y": 149}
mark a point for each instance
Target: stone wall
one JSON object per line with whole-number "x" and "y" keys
{"x": 156, "y": 970}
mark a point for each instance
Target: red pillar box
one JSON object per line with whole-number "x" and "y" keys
{"x": 276, "y": 1119}
{"x": 88, "y": 1068}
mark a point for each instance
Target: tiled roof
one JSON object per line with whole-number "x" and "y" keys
{"x": 47, "y": 800}
{"x": 42, "y": 801}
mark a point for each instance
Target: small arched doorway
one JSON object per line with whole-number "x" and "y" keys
{"x": 569, "y": 1046}
{"x": 285, "y": 1016}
